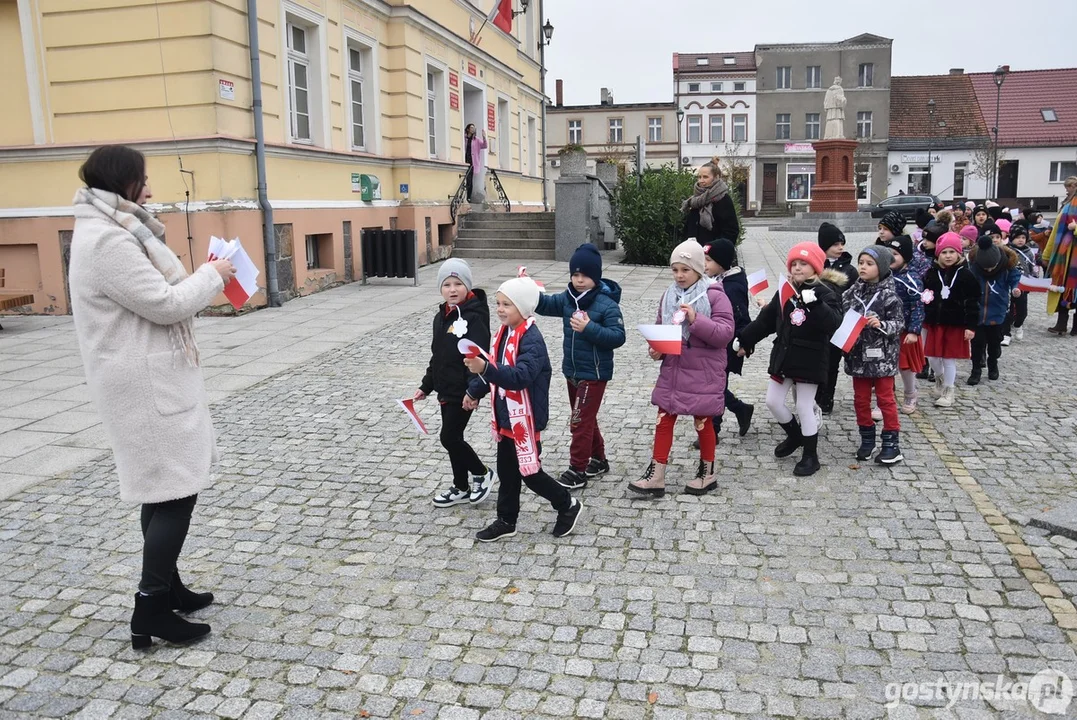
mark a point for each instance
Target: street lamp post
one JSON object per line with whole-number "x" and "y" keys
{"x": 1000, "y": 77}
{"x": 680, "y": 120}
{"x": 930, "y": 139}
{"x": 547, "y": 36}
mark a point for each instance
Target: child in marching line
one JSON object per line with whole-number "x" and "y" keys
{"x": 909, "y": 290}
{"x": 873, "y": 360}
{"x": 692, "y": 383}
{"x": 1028, "y": 263}
{"x": 464, "y": 314}
{"x": 800, "y": 358}
{"x": 995, "y": 268}
{"x": 519, "y": 382}
{"x": 593, "y": 328}
{"x": 950, "y": 293}
{"x": 839, "y": 274}
{"x": 721, "y": 260}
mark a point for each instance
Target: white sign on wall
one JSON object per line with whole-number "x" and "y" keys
{"x": 227, "y": 89}
{"x": 799, "y": 149}
{"x": 920, "y": 158}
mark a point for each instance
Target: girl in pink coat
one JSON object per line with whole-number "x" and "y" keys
{"x": 692, "y": 383}
{"x": 474, "y": 144}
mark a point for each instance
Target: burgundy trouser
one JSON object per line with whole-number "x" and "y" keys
{"x": 585, "y": 397}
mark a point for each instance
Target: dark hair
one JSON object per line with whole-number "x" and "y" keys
{"x": 115, "y": 169}
{"x": 469, "y": 125}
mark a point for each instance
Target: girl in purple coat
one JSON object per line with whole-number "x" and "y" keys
{"x": 692, "y": 383}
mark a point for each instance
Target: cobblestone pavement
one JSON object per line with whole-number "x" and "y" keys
{"x": 343, "y": 593}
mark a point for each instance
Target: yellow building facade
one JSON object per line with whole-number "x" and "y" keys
{"x": 352, "y": 91}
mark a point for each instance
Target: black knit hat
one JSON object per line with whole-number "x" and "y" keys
{"x": 900, "y": 245}
{"x": 933, "y": 231}
{"x": 990, "y": 228}
{"x": 830, "y": 235}
{"x": 894, "y": 222}
{"x": 922, "y": 218}
{"x": 995, "y": 212}
{"x": 722, "y": 252}
{"x": 988, "y": 255}
{"x": 1018, "y": 229}
{"x": 978, "y": 209}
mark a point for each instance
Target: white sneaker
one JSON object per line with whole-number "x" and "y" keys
{"x": 947, "y": 398}
{"x": 1005, "y": 340}
{"x": 1019, "y": 333}
{"x": 818, "y": 412}
{"x": 455, "y": 496}
{"x": 481, "y": 486}
{"x": 909, "y": 407}
{"x": 876, "y": 414}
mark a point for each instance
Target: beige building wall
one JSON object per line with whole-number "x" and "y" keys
{"x": 596, "y": 132}
{"x": 172, "y": 78}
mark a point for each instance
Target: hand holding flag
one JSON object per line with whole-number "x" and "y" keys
{"x": 851, "y": 326}
{"x": 245, "y": 283}
{"x": 663, "y": 339}
{"x": 1031, "y": 284}
{"x": 409, "y": 407}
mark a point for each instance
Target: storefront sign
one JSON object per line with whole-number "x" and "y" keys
{"x": 799, "y": 149}
{"x": 454, "y": 80}
{"x": 920, "y": 158}
{"x": 471, "y": 69}
{"x": 491, "y": 117}
{"x": 454, "y": 101}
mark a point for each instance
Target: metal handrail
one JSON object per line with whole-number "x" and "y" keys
{"x": 501, "y": 194}
{"x": 459, "y": 198}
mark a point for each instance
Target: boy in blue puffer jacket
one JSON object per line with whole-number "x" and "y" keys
{"x": 998, "y": 272}
{"x": 594, "y": 328}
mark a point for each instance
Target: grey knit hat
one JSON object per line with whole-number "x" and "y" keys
{"x": 882, "y": 256}
{"x": 457, "y": 268}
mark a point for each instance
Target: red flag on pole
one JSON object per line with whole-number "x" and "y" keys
{"x": 851, "y": 326}
{"x": 501, "y": 15}
{"x": 785, "y": 289}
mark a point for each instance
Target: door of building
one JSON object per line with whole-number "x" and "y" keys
{"x": 1007, "y": 179}
{"x": 770, "y": 184}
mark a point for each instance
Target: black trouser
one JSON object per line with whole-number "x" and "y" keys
{"x": 508, "y": 473}
{"x": 1017, "y": 314}
{"x": 469, "y": 178}
{"x": 989, "y": 338}
{"x": 733, "y": 404}
{"x": 164, "y": 528}
{"x": 825, "y": 395}
{"x": 454, "y": 420}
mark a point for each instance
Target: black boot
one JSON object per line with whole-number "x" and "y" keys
{"x": 992, "y": 368}
{"x": 809, "y": 462}
{"x": 974, "y": 376}
{"x": 744, "y": 418}
{"x": 793, "y": 439}
{"x": 867, "y": 442}
{"x": 891, "y": 452}
{"x": 153, "y": 618}
{"x": 1063, "y": 321}
{"x": 184, "y": 600}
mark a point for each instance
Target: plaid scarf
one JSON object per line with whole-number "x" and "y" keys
{"x": 521, "y": 416}
{"x": 150, "y": 234}
{"x": 703, "y": 200}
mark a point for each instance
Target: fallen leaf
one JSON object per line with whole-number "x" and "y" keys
{"x": 364, "y": 713}
{"x": 417, "y": 711}
{"x": 512, "y": 591}
{"x": 854, "y": 466}
{"x": 652, "y": 697}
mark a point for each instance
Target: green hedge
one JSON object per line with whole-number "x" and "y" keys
{"x": 647, "y": 215}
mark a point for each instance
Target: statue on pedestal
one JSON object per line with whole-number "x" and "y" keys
{"x": 834, "y": 106}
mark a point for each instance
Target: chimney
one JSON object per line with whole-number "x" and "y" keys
{"x": 607, "y": 97}
{"x": 957, "y": 71}
{"x": 560, "y": 92}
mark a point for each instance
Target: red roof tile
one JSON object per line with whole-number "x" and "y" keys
{"x": 1024, "y": 95}
{"x": 957, "y": 114}
{"x": 688, "y": 62}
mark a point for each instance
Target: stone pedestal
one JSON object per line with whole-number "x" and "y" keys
{"x": 572, "y": 198}
{"x": 834, "y": 189}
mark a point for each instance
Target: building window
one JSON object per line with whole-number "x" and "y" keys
{"x": 695, "y": 129}
{"x": 617, "y": 131}
{"x": 433, "y": 112}
{"x": 504, "y": 141}
{"x": 740, "y": 128}
{"x": 863, "y": 181}
{"x": 960, "y": 168}
{"x": 919, "y": 180}
{"x": 575, "y": 132}
{"x": 811, "y": 126}
{"x": 1062, "y": 170}
{"x": 799, "y": 181}
{"x": 700, "y": 62}
{"x": 299, "y": 82}
{"x": 738, "y": 87}
{"x": 359, "y": 61}
{"x": 866, "y": 76}
{"x": 813, "y": 77}
{"x": 729, "y": 60}
{"x": 693, "y": 87}
{"x": 717, "y": 128}
{"x": 654, "y": 129}
{"x": 320, "y": 251}
{"x": 785, "y": 78}
{"x": 863, "y": 124}
{"x": 1049, "y": 115}
{"x": 782, "y": 126}
{"x": 716, "y": 87}
{"x": 532, "y": 145}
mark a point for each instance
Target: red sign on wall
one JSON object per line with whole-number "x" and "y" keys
{"x": 454, "y": 101}
{"x": 471, "y": 69}
{"x": 491, "y": 117}
{"x": 454, "y": 80}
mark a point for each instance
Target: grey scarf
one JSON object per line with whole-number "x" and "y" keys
{"x": 703, "y": 200}
{"x": 674, "y": 297}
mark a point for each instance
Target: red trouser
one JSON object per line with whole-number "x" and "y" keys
{"x": 884, "y": 393}
{"x": 663, "y": 437}
{"x": 585, "y": 397}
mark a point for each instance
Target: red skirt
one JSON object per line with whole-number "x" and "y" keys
{"x": 948, "y": 342}
{"x": 912, "y": 355}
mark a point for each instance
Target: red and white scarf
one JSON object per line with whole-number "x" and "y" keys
{"x": 521, "y": 417}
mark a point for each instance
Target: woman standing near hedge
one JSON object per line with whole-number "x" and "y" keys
{"x": 709, "y": 213}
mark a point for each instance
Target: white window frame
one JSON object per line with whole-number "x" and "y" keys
{"x": 783, "y": 79}
{"x": 368, "y": 80}
{"x": 863, "y": 190}
{"x": 504, "y": 128}
{"x": 577, "y": 130}
{"x": 316, "y": 58}
{"x": 532, "y": 146}
{"x": 742, "y": 125}
{"x": 813, "y": 77}
{"x": 801, "y": 171}
{"x": 620, "y": 131}
{"x": 865, "y": 120}
{"x": 718, "y": 137}
{"x": 1056, "y": 173}
{"x": 439, "y": 99}
{"x": 743, "y": 86}
{"x": 865, "y": 75}
{"x": 698, "y": 122}
{"x": 694, "y": 85}
{"x": 962, "y": 169}
{"x": 812, "y": 128}
{"x": 716, "y": 87}
{"x": 783, "y": 122}
{"x": 653, "y": 124}
{"x": 917, "y": 173}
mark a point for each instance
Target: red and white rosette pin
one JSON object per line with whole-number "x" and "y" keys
{"x": 798, "y": 317}
{"x": 927, "y": 297}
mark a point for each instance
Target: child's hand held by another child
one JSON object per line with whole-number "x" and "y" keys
{"x": 476, "y": 365}
{"x": 470, "y": 403}
{"x": 419, "y": 395}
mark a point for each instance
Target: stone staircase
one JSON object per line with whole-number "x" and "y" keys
{"x": 500, "y": 235}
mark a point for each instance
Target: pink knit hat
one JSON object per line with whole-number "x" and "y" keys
{"x": 969, "y": 205}
{"x": 810, "y": 253}
{"x": 969, "y": 232}
{"x": 1004, "y": 226}
{"x": 951, "y": 241}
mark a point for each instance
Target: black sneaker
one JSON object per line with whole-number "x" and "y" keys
{"x": 498, "y": 529}
{"x": 597, "y": 467}
{"x": 566, "y": 521}
{"x": 572, "y": 480}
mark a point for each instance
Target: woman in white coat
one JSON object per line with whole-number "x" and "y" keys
{"x": 134, "y": 305}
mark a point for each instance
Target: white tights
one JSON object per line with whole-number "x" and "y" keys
{"x": 946, "y": 368}
{"x": 776, "y": 394}
{"x": 908, "y": 381}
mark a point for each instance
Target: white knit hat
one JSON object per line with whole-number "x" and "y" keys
{"x": 523, "y": 293}
{"x": 690, "y": 253}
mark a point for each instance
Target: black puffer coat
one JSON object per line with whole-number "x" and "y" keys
{"x": 961, "y": 308}
{"x": 446, "y": 374}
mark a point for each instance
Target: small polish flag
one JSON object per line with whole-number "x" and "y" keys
{"x": 245, "y": 284}
{"x": 851, "y": 327}
{"x": 1031, "y": 284}
{"x": 786, "y": 289}
{"x": 665, "y": 339}
{"x": 757, "y": 282}
{"x": 471, "y": 349}
{"x": 409, "y": 407}
{"x": 521, "y": 271}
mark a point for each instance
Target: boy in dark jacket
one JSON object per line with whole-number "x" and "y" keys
{"x": 518, "y": 376}
{"x": 839, "y": 273}
{"x": 594, "y": 328}
{"x": 1028, "y": 264}
{"x": 721, "y": 260}
{"x": 995, "y": 268}
{"x": 464, "y": 314}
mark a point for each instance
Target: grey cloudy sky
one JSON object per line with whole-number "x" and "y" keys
{"x": 628, "y": 45}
